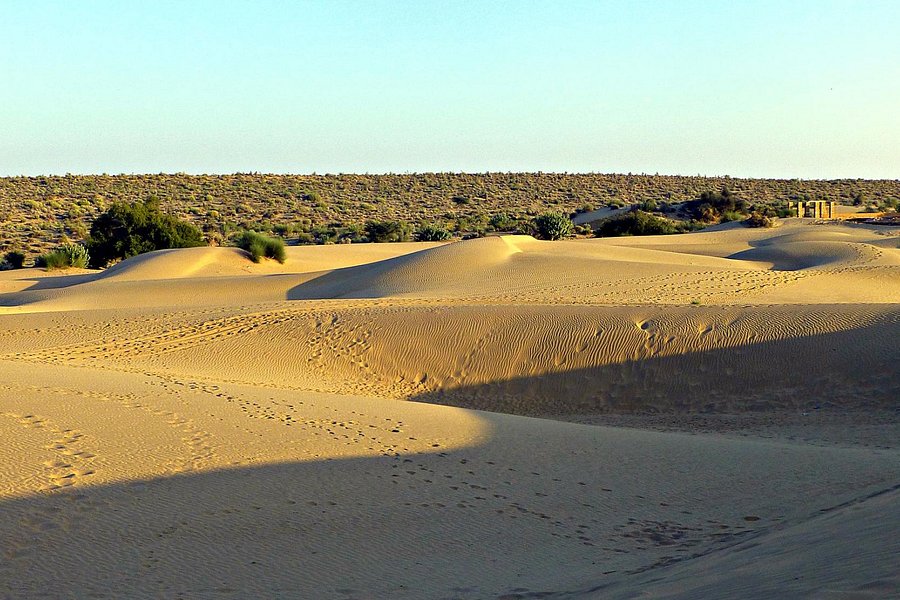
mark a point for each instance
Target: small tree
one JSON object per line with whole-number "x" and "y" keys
{"x": 129, "y": 229}
{"x": 552, "y": 226}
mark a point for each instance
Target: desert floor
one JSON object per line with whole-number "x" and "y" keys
{"x": 704, "y": 415}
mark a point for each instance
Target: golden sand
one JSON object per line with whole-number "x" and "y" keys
{"x": 396, "y": 420}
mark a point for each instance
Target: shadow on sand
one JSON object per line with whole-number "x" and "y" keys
{"x": 385, "y": 527}
{"x": 851, "y": 369}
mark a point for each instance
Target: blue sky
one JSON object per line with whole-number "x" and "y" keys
{"x": 806, "y": 89}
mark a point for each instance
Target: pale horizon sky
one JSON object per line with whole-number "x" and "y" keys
{"x": 803, "y": 89}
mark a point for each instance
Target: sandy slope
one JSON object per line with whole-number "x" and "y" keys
{"x": 188, "y": 424}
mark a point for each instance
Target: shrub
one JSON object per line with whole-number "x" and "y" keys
{"x": 15, "y": 260}
{"x": 304, "y": 238}
{"x": 758, "y": 219}
{"x": 259, "y": 246}
{"x": 649, "y": 206}
{"x": 508, "y": 222}
{"x": 638, "y": 222}
{"x": 552, "y": 226}
{"x": 711, "y": 206}
{"x": 387, "y": 231}
{"x": 65, "y": 256}
{"x": 783, "y": 212}
{"x": 352, "y": 234}
{"x": 129, "y": 229}
{"x": 324, "y": 235}
{"x": 432, "y": 233}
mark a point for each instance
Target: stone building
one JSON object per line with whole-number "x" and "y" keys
{"x": 816, "y": 209}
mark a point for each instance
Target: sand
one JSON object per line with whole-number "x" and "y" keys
{"x": 703, "y": 415}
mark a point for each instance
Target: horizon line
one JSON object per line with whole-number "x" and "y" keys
{"x": 415, "y": 173}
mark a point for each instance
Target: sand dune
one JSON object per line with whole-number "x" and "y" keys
{"x": 359, "y": 421}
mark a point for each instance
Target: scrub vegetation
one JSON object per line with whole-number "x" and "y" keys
{"x": 39, "y": 213}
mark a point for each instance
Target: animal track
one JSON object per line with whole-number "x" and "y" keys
{"x": 72, "y": 461}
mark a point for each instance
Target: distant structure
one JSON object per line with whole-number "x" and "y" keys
{"x": 817, "y": 209}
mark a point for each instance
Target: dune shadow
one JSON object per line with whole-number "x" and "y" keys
{"x": 844, "y": 370}
{"x": 350, "y": 282}
{"x": 346, "y": 282}
{"x": 237, "y": 533}
{"x": 423, "y": 270}
{"x": 376, "y": 527}
{"x": 403, "y": 526}
{"x": 56, "y": 282}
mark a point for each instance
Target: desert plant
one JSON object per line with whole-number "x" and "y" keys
{"x": 711, "y": 206}
{"x": 65, "y": 256}
{"x": 758, "y": 219}
{"x": 259, "y": 246}
{"x": 129, "y": 229}
{"x": 353, "y": 233}
{"x": 305, "y": 238}
{"x": 387, "y": 231}
{"x": 14, "y": 260}
{"x": 508, "y": 222}
{"x": 552, "y": 226}
{"x": 432, "y": 233}
{"x": 638, "y": 222}
{"x": 649, "y": 206}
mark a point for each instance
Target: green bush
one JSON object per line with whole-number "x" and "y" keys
{"x": 387, "y": 231}
{"x": 432, "y": 233}
{"x": 67, "y": 255}
{"x": 638, "y": 222}
{"x": 129, "y": 229}
{"x": 15, "y": 260}
{"x": 552, "y": 226}
{"x": 259, "y": 246}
